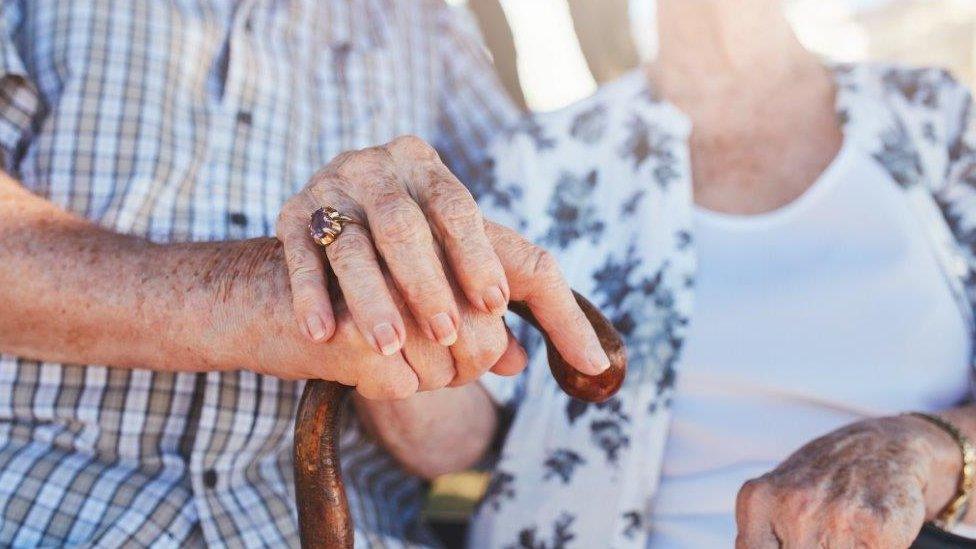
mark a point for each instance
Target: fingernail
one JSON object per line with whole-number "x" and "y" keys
{"x": 386, "y": 338}
{"x": 598, "y": 358}
{"x": 495, "y": 300}
{"x": 444, "y": 330}
{"x": 316, "y": 328}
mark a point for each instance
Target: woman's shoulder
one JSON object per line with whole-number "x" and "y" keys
{"x": 613, "y": 136}
{"x": 911, "y": 91}
{"x": 917, "y": 114}
{"x": 906, "y": 79}
{"x": 589, "y": 122}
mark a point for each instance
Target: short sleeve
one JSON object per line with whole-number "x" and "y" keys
{"x": 474, "y": 107}
{"x": 19, "y": 99}
{"x": 961, "y": 126}
{"x": 957, "y": 195}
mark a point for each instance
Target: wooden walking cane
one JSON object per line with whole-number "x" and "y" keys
{"x": 323, "y": 511}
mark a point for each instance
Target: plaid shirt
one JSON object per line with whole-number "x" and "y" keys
{"x": 194, "y": 120}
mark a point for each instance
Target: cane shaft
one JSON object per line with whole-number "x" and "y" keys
{"x": 323, "y": 511}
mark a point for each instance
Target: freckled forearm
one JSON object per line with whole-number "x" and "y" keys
{"x": 73, "y": 292}
{"x": 433, "y": 433}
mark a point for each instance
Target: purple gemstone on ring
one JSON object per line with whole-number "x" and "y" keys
{"x": 319, "y": 226}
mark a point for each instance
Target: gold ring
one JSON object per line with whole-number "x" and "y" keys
{"x": 326, "y": 225}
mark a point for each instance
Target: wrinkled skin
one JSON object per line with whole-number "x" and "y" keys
{"x": 870, "y": 484}
{"x": 420, "y": 259}
{"x": 419, "y": 247}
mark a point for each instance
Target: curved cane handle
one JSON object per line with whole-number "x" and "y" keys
{"x": 323, "y": 511}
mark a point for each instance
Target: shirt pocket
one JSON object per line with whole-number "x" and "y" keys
{"x": 356, "y": 99}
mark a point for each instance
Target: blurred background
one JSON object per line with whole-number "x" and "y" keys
{"x": 551, "y": 53}
{"x": 552, "y": 70}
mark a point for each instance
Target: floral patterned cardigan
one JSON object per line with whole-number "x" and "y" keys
{"x": 606, "y": 185}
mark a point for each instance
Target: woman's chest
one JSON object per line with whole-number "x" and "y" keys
{"x": 756, "y": 156}
{"x": 838, "y": 298}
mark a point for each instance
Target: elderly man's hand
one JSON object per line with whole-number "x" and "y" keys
{"x": 417, "y": 224}
{"x": 251, "y": 324}
{"x": 871, "y": 484}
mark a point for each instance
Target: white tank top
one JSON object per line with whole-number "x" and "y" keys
{"x": 826, "y": 311}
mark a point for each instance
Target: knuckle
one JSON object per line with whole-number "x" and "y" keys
{"x": 337, "y": 162}
{"x": 486, "y": 357}
{"x": 542, "y": 264}
{"x": 831, "y": 517}
{"x": 870, "y": 535}
{"x": 413, "y": 146}
{"x": 370, "y": 156}
{"x": 425, "y": 293}
{"x": 301, "y": 269}
{"x": 304, "y": 298}
{"x": 304, "y": 301}
{"x": 750, "y": 495}
{"x": 457, "y": 209}
{"x": 361, "y": 168}
{"x": 282, "y": 226}
{"x": 323, "y": 176}
{"x": 399, "y": 222}
{"x": 866, "y": 522}
{"x": 487, "y": 348}
{"x": 322, "y": 184}
{"x": 288, "y": 218}
{"x": 496, "y": 342}
{"x": 348, "y": 249}
{"x": 284, "y": 220}
{"x": 437, "y": 378}
{"x": 801, "y": 499}
{"x": 304, "y": 280}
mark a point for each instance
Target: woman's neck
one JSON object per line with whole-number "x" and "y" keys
{"x": 708, "y": 46}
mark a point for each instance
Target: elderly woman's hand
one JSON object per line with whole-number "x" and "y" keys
{"x": 870, "y": 484}
{"x": 417, "y": 223}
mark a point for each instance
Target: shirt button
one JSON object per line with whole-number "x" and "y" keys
{"x": 245, "y": 118}
{"x": 238, "y": 219}
{"x": 210, "y": 478}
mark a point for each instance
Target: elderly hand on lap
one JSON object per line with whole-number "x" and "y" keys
{"x": 870, "y": 484}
